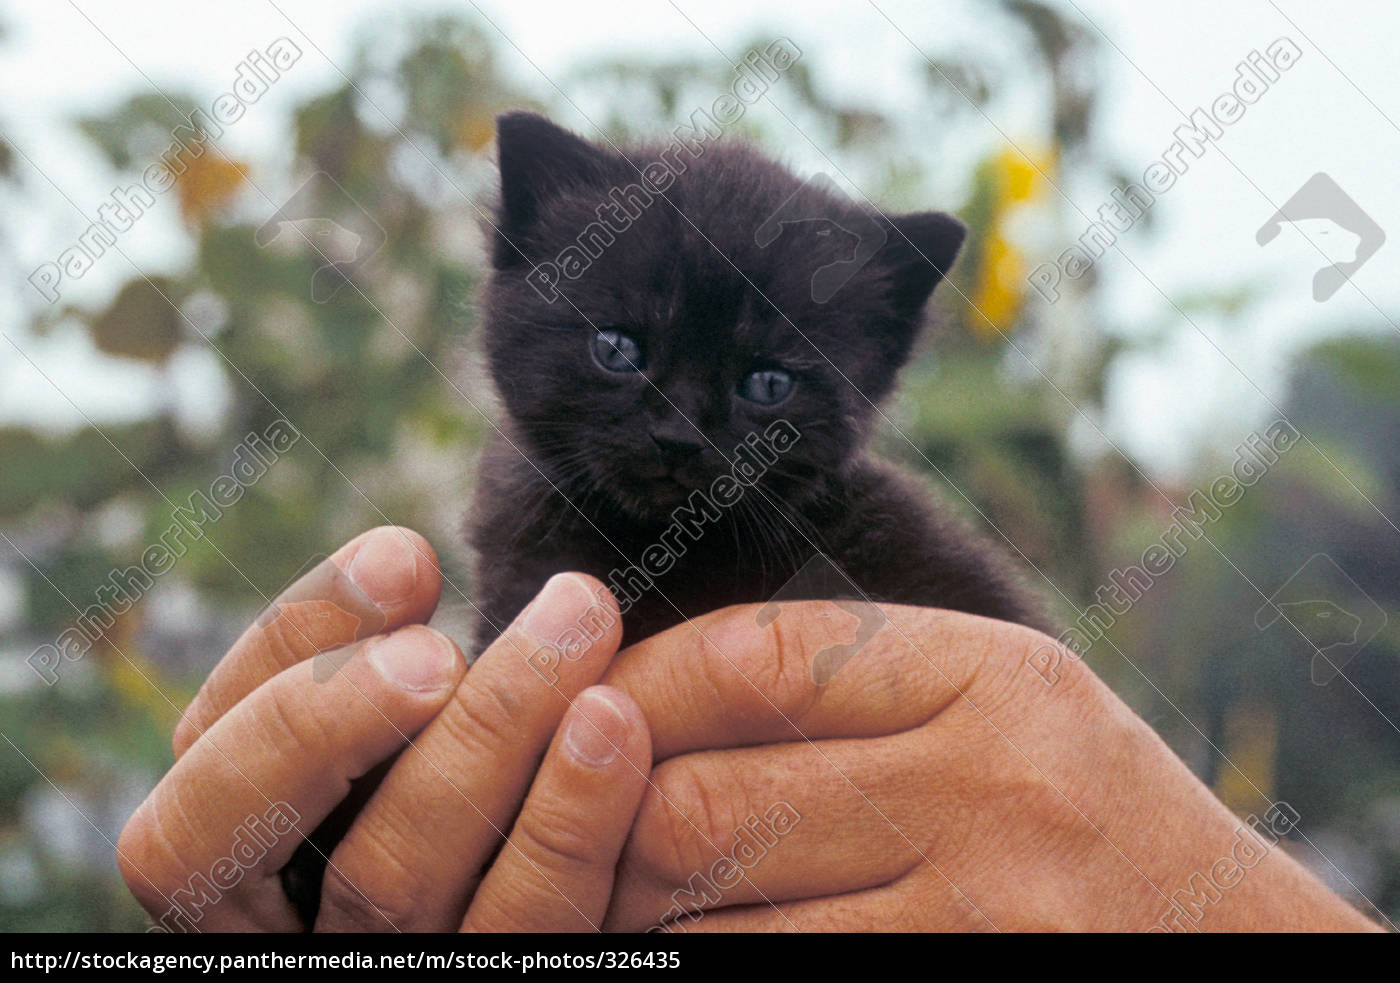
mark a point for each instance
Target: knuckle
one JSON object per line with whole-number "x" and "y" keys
{"x": 281, "y": 642}
{"x": 485, "y": 715}
{"x": 355, "y": 893}
{"x": 287, "y": 720}
{"x": 767, "y": 681}
{"x": 351, "y": 899}
{"x": 555, "y": 841}
{"x": 682, "y": 825}
{"x": 786, "y": 675}
{"x": 503, "y": 911}
{"x": 1059, "y": 825}
{"x": 1009, "y": 676}
{"x": 298, "y": 630}
{"x": 998, "y": 662}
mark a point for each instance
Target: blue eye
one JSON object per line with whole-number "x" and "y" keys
{"x": 766, "y": 387}
{"x": 617, "y": 352}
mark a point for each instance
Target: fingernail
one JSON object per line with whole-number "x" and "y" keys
{"x": 416, "y": 659}
{"x": 557, "y": 608}
{"x": 596, "y": 729}
{"x": 324, "y": 584}
{"x": 385, "y": 567}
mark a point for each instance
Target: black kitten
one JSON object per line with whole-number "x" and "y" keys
{"x": 690, "y": 344}
{"x": 689, "y": 375}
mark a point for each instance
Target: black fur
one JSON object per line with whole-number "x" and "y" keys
{"x": 578, "y": 482}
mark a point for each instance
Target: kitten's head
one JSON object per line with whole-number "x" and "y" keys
{"x": 638, "y": 337}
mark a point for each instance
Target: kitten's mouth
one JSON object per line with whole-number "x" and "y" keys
{"x": 665, "y": 491}
{"x": 668, "y": 486}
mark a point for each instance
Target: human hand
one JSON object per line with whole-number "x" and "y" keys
{"x": 288, "y": 718}
{"x": 939, "y": 784}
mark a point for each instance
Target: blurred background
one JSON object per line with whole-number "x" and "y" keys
{"x": 1070, "y": 430}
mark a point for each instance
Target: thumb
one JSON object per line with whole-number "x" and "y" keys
{"x": 811, "y": 669}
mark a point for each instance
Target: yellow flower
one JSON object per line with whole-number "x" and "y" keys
{"x": 1019, "y": 175}
{"x": 998, "y": 293}
{"x": 140, "y": 684}
{"x": 208, "y": 182}
{"x": 475, "y": 129}
{"x": 1015, "y": 180}
{"x": 1250, "y": 744}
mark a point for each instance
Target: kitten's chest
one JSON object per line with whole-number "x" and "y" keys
{"x": 667, "y": 579}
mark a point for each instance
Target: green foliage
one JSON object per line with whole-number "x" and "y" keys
{"x": 377, "y": 380}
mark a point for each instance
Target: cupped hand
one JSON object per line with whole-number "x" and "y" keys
{"x": 934, "y": 782}
{"x": 339, "y": 675}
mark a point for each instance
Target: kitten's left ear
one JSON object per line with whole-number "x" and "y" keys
{"x": 919, "y": 253}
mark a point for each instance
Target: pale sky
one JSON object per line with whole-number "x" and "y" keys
{"x": 1336, "y": 111}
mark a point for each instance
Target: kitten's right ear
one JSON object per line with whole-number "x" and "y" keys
{"x": 919, "y": 253}
{"x": 537, "y": 159}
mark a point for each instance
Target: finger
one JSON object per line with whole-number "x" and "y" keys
{"x": 905, "y": 906}
{"x": 287, "y": 754}
{"x": 381, "y": 580}
{"x": 731, "y": 678}
{"x": 425, "y": 838}
{"x": 775, "y": 823}
{"x": 555, "y": 872}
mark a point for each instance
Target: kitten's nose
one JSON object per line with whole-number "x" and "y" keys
{"x": 677, "y": 449}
